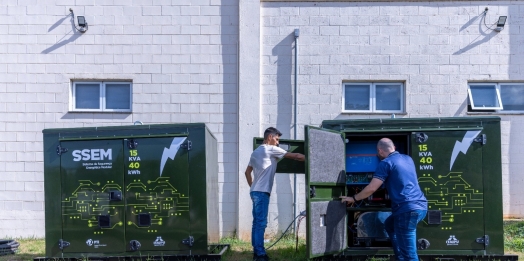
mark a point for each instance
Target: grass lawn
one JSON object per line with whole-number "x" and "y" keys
{"x": 283, "y": 250}
{"x": 514, "y": 238}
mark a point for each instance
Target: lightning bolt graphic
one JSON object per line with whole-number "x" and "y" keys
{"x": 171, "y": 152}
{"x": 462, "y": 146}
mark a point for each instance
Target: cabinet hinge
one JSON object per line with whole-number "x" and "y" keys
{"x": 63, "y": 244}
{"x": 60, "y": 150}
{"x": 312, "y": 192}
{"x": 187, "y": 145}
{"x": 481, "y": 139}
{"x": 188, "y": 241}
{"x": 483, "y": 240}
{"x": 132, "y": 144}
{"x": 421, "y": 137}
{"x": 134, "y": 245}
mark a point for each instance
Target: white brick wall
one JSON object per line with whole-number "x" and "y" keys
{"x": 181, "y": 58}
{"x": 435, "y": 48}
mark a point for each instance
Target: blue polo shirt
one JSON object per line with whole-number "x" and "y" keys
{"x": 398, "y": 173}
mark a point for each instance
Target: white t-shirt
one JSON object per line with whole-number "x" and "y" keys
{"x": 264, "y": 162}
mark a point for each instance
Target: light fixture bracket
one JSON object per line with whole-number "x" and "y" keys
{"x": 82, "y": 23}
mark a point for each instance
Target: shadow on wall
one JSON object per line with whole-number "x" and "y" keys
{"x": 283, "y": 96}
{"x": 462, "y": 108}
{"x": 283, "y": 51}
{"x": 515, "y": 72}
{"x": 485, "y": 32}
{"x": 73, "y": 34}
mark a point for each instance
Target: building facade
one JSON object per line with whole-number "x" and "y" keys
{"x": 232, "y": 65}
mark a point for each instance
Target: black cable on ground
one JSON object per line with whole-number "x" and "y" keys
{"x": 298, "y": 228}
{"x": 8, "y": 247}
{"x": 303, "y": 213}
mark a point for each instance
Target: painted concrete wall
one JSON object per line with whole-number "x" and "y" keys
{"x": 248, "y": 105}
{"x": 180, "y": 55}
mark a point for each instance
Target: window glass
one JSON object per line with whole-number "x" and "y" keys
{"x": 87, "y": 96}
{"x": 388, "y": 97}
{"x": 357, "y": 97}
{"x": 118, "y": 96}
{"x": 484, "y": 96}
{"x": 512, "y": 96}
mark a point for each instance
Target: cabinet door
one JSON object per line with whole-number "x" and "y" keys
{"x": 92, "y": 210}
{"x": 157, "y": 193}
{"x": 287, "y": 165}
{"x": 326, "y": 181}
{"x": 449, "y": 169}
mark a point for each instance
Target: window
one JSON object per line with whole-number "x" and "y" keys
{"x": 512, "y": 96}
{"x": 505, "y": 97}
{"x": 484, "y": 97}
{"x": 101, "y": 96}
{"x": 373, "y": 97}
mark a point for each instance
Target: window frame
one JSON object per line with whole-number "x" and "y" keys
{"x": 373, "y": 96}
{"x": 101, "y": 96}
{"x": 497, "y": 90}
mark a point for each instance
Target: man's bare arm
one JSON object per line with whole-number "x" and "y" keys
{"x": 295, "y": 156}
{"x": 366, "y": 192}
{"x": 249, "y": 179}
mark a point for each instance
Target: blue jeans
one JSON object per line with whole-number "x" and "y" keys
{"x": 402, "y": 230}
{"x": 260, "y": 210}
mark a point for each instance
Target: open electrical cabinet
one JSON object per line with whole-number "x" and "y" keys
{"x": 458, "y": 161}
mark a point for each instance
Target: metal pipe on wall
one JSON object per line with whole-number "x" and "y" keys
{"x": 297, "y": 34}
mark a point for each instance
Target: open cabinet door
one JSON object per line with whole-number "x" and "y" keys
{"x": 325, "y": 183}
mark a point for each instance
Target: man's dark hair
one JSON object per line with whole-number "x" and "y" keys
{"x": 271, "y": 131}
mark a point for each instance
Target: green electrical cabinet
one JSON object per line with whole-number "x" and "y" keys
{"x": 126, "y": 191}
{"x": 458, "y": 163}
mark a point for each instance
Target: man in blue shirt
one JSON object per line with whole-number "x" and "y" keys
{"x": 408, "y": 203}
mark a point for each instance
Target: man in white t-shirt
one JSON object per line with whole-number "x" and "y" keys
{"x": 263, "y": 164}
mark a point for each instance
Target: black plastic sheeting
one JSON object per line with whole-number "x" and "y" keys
{"x": 8, "y": 247}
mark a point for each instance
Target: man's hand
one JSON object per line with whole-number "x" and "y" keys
{"x": 349, "y": 200}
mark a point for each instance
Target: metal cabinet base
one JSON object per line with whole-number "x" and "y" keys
{"x": 421, "y": 257}
{"x": 215, "y": 254}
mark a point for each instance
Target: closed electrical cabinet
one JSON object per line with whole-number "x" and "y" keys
{"x": 131, "y": 190}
